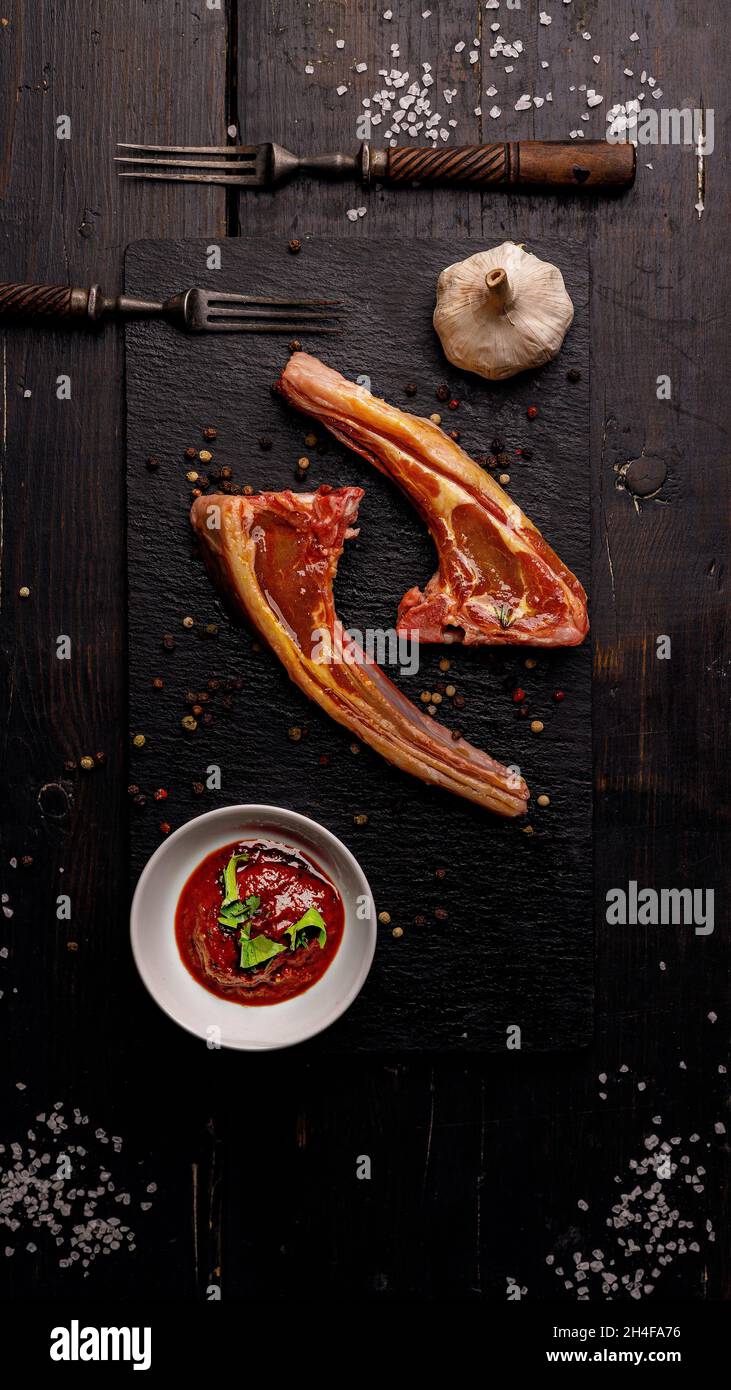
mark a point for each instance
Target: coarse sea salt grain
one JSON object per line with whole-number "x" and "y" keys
{"x": 340, "y": 43}
{"x": 309, "y": 68}
{"x": 361, "y": 67}
{"x": 545, "y": 18}
{"x": 495, "y": 111}
{"x": 341, "y": 90}
{"x": 634, "y": 38}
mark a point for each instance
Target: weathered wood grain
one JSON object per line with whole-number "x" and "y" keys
{"x": 477, "y": 1168}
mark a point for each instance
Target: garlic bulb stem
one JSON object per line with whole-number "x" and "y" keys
{"x": 498, "y": 290}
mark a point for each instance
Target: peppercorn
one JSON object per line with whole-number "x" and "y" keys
{"x": 189, "y": 723}
{"x": 226, "y": 473}
{"x": 420, "y": 920}
{"x": 227, "y": 702}
{"x": 310, "y": 440}
{"x": 168, "y": 641}
{"x": 100, "y": 758}
{"x": 205, "y": 455}
{"x": 87, "y": 763}
{"x": 436, "y": 698}
{"x": 69, "y": 765}
{"x": 26, "y": 861}
{"x": 197, "y": 710}
{"x": 214, "y": 684}
{"x": 355, "y": 748}
{"x": 295, "y": 345}
{"x": 527, "y": 829}
{"x": 303, "y": 464}
{"x": 536, "y": 726}
{"x": 559, "y": 695}
{"x": 397, "y": 931}
{"x": 425, "y": 697}
{"x": 160, "y": 794}
{"x": 196, "y": 493}
{"x": 294, "y": 245}
{"x": 265, "y": 443}
{"x": 410, "y": 388}
{"x": 191, "y": 453}
{"x": 456, "y": 735}
{"x": 360, "y": 819}
{"x": 203, "y": 697}
{"x": 139, "y": 801}
{"x": 442, "y": 392}
{"x": 24, "y": 591}
{"x": 157, "y": 683}
{"x": 444, "y": 664}
{"x": 523, "y": 711}
{"x": 573, "y": 374}
{"x": 203, "y": 482}
{"x": 164, "y": 827}
{"x": 518, "y": 696}
{"x": 198, "y": 788}
{"x": 436, "y": 419}
{"x": 529, "y": 663}
{"x": 441, "y": 914}
{"x": 459, "y": 701}
{"x": 210, "y": 433}
{"x": 384, "y": 919}
{"x": 450, "y": 691}
{"x": 544, "y": 800}
{"x": 247, "y": 490}
{"x": 532, "y": 411}
{"x": 295, "y": 733}
{"x": 152, "y": 463}
{"x": 454, "y": 403}
{"x": 455, "y": 435}
{"x": 139, "y": 740}
{"x": 210, "y": 630}
{"x": 504, "y": 479}
{"x": 207, "y": 719}
{"x": 440, "y": 873}
{"x": 324, "y": 760}
{"x": 187, "y": 621}
{"x": 431, "y": 709}
{"x": 133, "y": 789}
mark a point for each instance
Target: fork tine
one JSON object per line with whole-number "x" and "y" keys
{"x": 229, "y": 166}
{"x": 173, "y": 176}
{"x": 247, "y": 151}
{"x": 262, "y": 316}
{"x": 245, "y": 299}
{"x": 244, "y": 326}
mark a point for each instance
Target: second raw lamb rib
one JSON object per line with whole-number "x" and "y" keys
{"x": 498, "y": 580}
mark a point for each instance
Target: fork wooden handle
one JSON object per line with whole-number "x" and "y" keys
{"x": 41, "y": 303}
{"x": 536, "y": 163}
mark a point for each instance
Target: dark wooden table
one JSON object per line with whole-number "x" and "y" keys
{"x": 481, "y": 1170}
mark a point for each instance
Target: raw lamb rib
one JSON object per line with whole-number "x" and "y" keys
{"x": 276, "y": 556}
{"x": 498, "y": 581}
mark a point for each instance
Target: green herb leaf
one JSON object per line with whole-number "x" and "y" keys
{"x": 233, "y": 914}
{"x": 230, "y": 885}
{"x": 308, "y": 926}
{"x": 256, "y": 951}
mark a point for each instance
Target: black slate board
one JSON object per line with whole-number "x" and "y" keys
{"x": 516, "y": 946}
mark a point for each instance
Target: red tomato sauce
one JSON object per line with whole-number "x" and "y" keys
{"x": 287, "y": 884}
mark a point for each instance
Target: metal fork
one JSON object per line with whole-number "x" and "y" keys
{"x": 195, "y": 310}
{"x": 508, "y": 164}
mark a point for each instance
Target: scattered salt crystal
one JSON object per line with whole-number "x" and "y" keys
{"x": 712, "y": 1016}
{"x": 523, "y": 103}
{"x": 596, "y": 58}
{"x": 538, "y": 101}
{"x": 544, "y": 64}
{"x": 459, "y": 46}
{"x": 628, "y": 72}
{"x": 491, "y": 91}
{"x": 340, "y": 43}
{"x": 474, "y": 55}
{"x": 495, "y": 111}
{"x": 478, "y": 111}
{"x": 545, "y": 18}
{"x": 602, "y": 1077}
{"x": 361, "y": 67}
{"x": 352, "y": 214}
{"x": 719, "y": 1127}
{"x": 634, "y": 38}
{"x": 341, "y": 90}
{"x": 309, "y": 68}
{"x": 425, "y": 14}
{"x": 388, "y": 14}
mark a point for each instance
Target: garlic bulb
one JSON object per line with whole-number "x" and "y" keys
{"x": 502, "y": 311}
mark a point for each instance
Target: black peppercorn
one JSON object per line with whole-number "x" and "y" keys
{"x": 573, "y": 374}
{"x": 442, "y": 392}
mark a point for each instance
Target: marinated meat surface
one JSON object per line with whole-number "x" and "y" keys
{"x": 498, "y": 580}
{"x": 276, "y": 555}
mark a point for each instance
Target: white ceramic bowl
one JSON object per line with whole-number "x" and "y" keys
{"x": 221, "y": 1020}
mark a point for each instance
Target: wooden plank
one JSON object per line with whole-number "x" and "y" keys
{"x": 130, "y": 72}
